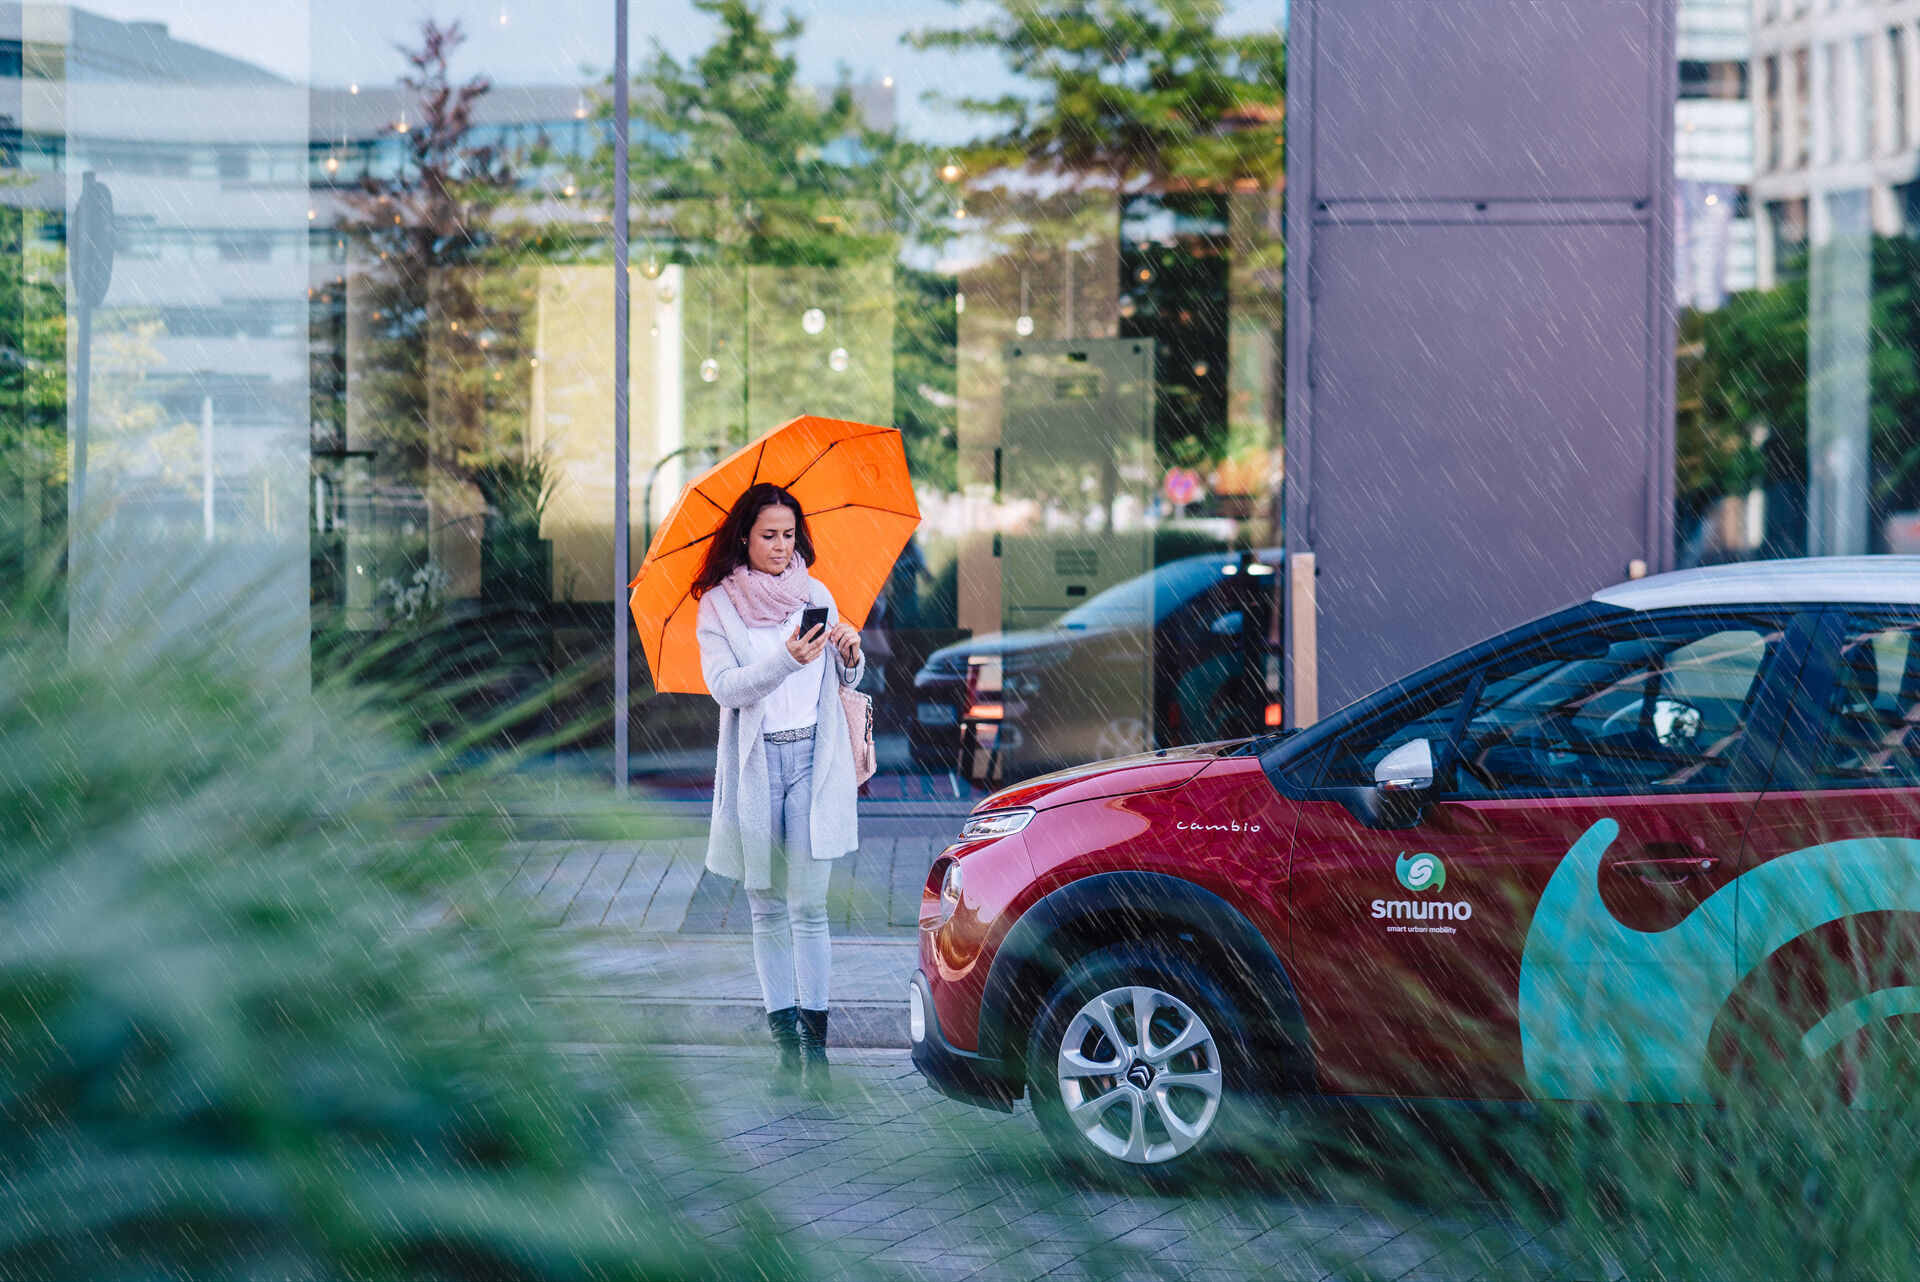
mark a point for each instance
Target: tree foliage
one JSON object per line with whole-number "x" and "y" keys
{"x": 925, "y": 383}
{"x": 265, "y": 1015}
{"x": 760, "y": 167}
{"x": 1129, "y": 91}
{"x": 1743, "y": 382}
{"x": 33, "y": 391}
{"x": 443, "y": 370}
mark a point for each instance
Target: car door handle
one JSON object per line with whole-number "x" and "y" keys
{"x": 1670, "y": 871}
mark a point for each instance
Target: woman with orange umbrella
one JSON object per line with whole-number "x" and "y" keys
{"x": 784, "y": 784}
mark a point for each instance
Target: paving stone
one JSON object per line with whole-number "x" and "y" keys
{"x": 927, "y": 1193}
{"x": 889, "y": 1178}
{"x": 668, "y": 908}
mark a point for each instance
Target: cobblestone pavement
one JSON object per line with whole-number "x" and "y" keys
{"x": 889, "y": 1179}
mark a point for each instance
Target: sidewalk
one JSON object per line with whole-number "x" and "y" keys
{"x": 663, "y": 942}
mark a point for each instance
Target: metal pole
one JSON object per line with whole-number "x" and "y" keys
{"x": 621, "y": 380}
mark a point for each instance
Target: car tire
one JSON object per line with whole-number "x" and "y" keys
{"x": 1168, "y": 1110}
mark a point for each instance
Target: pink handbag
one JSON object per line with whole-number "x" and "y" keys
{"x": 859, "y": 710}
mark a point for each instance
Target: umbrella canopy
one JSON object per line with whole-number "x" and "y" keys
{"x": 851, "y": 480}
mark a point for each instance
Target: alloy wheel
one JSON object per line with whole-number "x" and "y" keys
{"x": 1139, "y": 1075}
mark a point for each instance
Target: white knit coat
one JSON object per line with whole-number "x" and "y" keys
{"x": 740, "y": 842}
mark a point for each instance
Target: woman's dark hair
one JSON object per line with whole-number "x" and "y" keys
{"x": 727, "y": 550}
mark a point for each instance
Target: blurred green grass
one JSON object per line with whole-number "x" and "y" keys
{"x": 1800, "y": 1165}
{"x": 262, "y": 1015}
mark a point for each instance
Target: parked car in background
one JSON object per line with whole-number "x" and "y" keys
{"x": 1073, "y": 692}
{"x": 1511, "y": 875}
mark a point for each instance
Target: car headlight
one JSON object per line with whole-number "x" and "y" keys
{"x": 995, "y": 823}
{"x": 950, "y": 892}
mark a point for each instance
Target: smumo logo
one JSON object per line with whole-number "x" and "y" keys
{"x": 1421, "y": 872}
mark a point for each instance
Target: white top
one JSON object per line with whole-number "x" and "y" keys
{"x": 1889, "y": 580}
{"x": 795, "y": 702}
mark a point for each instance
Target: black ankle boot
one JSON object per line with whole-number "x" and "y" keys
{"x": 815, "y": 1077}
{"x": 786, "y": 1040}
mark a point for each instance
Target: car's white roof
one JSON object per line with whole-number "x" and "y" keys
{"x": 1891, "y": 580}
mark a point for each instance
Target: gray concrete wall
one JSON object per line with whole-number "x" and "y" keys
{"x": 1480, "y": 322}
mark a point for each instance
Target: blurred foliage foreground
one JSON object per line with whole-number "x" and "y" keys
{"x": 260, "y": 1018}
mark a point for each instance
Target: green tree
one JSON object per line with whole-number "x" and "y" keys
{"x": 1149, "y": 100}
{"x": 1130, "y": 91}
{"x": 783, "y": 201}
{"x": 760, "y": 168}
{"x": 443, "y": 367}
{"x": 1742, "y": 392}
{"x": 925, "y": 397}
{"x": 33, "y": 393}
{"x": 1894, "y": 365}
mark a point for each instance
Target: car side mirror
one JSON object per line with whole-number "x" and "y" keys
{"x": 1228, "y": 624}
{"x": 1408, "y": 768}
{"x": 1401, "y": 784}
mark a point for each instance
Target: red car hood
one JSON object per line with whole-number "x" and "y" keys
{"x": 1148, "y": 772}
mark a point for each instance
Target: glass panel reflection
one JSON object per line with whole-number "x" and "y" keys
{"x": 365, "y": 299}
{"x": 1797, "y": 431}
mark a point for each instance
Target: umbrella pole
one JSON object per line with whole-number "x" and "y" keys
{"x": 621, "y": 356}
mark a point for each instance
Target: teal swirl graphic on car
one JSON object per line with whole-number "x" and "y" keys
{"x": 1421, "y": 872}
{"x": 1608, "y": 1012}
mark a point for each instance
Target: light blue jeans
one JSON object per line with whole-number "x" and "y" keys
{"x": 790, "y": 946}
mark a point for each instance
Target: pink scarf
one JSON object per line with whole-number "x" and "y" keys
{"x": 768, "y": 600}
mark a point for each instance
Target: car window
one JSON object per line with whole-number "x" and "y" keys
{"x": 1124, "y": 605}
{"x": 1656, "y": 710}
{"x": 1871, "y": 732}
{"x": 1429, "y": 715}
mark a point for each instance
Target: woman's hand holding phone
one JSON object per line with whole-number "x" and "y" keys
{"x": 809, "y": 638}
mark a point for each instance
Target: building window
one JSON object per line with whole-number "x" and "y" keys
{"x": 1832, "y": 103}
{"x": 1802, "y": 107}
{"x": 1908, "y": 194}
{"x": 1726, "y": 81}
{"x": 1860, "y": 99}
{"x": 1896, "y": 90}
{"x": 1776, "y": 116}
{"x": 1788, "y": 221}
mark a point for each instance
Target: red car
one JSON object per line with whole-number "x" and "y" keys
{"x": 1514, "y": 874}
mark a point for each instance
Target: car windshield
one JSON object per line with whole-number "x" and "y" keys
{"x": 1124, "y": 605}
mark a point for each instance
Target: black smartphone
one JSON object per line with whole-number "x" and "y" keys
{"x": 814, "y": 616}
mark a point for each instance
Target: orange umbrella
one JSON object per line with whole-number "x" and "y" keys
{"x": 851, "y": 480}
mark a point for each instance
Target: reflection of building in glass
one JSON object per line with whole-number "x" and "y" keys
{"x": 271, "y": 366}
{"x": 1837, "y": 97}
{"x": 186, "y": 384}
{"x": 1713, "y": 153}
{"x": 698, "y": 333}
{"x": 1837, "y": 134}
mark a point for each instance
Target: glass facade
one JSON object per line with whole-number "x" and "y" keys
{"x": 325, "y": 299}
{"x": 1797, "y": 428}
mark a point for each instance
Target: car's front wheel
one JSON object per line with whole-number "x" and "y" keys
{"x": 1135, "y": 1062}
